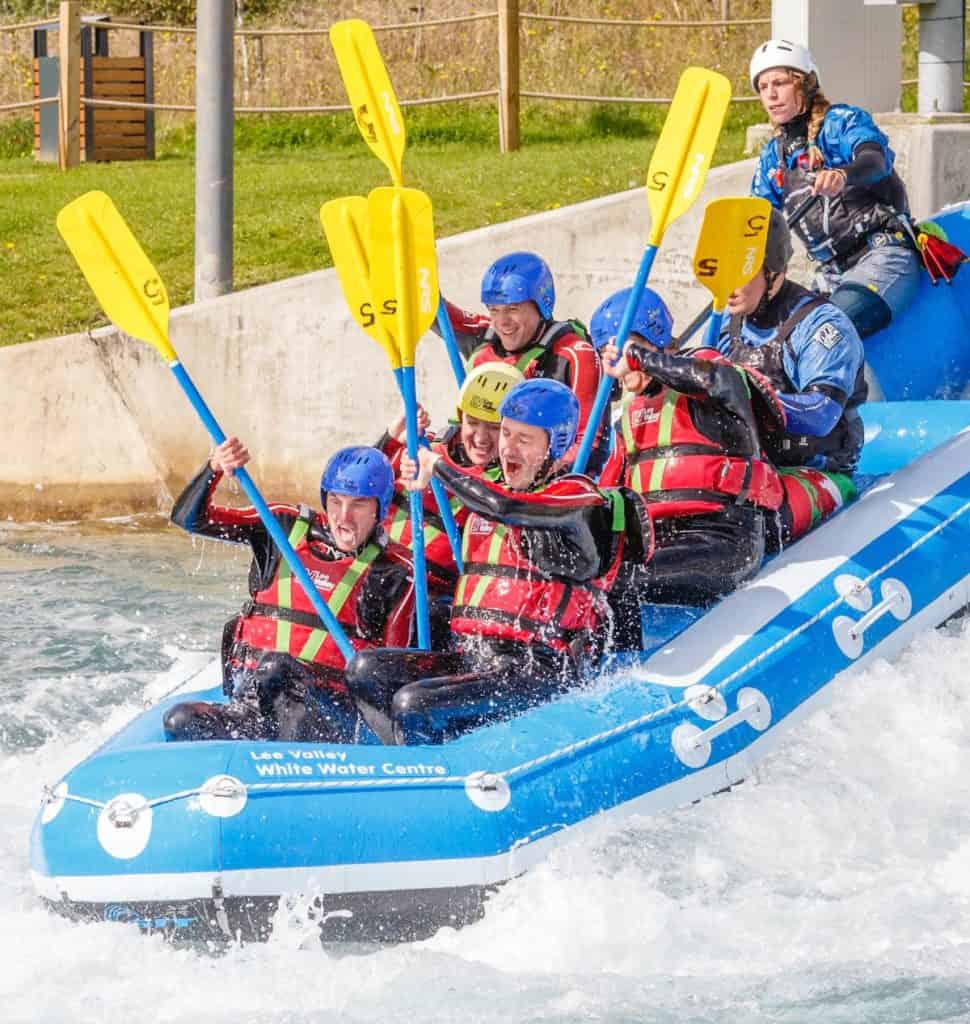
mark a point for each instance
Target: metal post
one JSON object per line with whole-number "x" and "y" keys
{"x": 941, "y": 56}
{"x": 213, "y": 149}
{"x": 146, "y": 50}
{"x": 87, "y": 75}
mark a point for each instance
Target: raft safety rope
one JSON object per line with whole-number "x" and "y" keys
{"x": 488, "y": 780}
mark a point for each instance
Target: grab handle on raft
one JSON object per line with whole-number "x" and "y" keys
{"x": 134, "y": 297}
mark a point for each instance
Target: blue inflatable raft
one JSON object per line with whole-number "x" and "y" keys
{"x": 205, "y": 839}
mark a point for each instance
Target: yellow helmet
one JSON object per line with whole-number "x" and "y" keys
{"x": 484, "y": 389}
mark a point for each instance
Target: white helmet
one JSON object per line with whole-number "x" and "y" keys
{"x": 780, "y": 53}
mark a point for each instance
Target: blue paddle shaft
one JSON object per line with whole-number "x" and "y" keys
{"x": 606, "y": 384}
{"x": 444, "y": 509}
{"x": 448, "y": 334}
{"x": 406, "y": 384}
{"x": 713, "y": 332}
{"x": 272, "y": 525}
{"x": 448, "y": 519}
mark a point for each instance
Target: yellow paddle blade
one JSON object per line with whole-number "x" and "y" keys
{"x": 120, "y": 274}
{"x": 345, "y": 225}
{"x": 370, "y": 92}
{"x": 404, "y": 266}
{"x": 682, "y": 157}
{"x": 731, "y": 246}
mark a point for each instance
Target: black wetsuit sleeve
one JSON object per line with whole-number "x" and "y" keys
{"x": 696, "y": 378}
{"x": 868, "y": 165}
{"x": 192, "y": 508}
{"x": 566, "y": 539}
{"x": 193, "y": 511}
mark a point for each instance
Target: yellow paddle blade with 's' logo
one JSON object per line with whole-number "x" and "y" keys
{"x": 120, "y": 274}
{"x": 682, "y": 157}
{"x": 370, "y": 92}
{"x": 731, "y": 246}
{"x": 403, "y": 264}
{"x": 345, "y": 225}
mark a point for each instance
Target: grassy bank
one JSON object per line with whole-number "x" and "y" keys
{"x": 286, "y": 168}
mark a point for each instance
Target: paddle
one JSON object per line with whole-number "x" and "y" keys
{"x": 404, "y": 286}
{"x": 730, "y": 251}
{"x": 691, "y": 329}
{"x": 378, "y": 117}
{"x": 677, "y": 171}
{"x": 133, "y": 296}
{"x": 345, "y": 225}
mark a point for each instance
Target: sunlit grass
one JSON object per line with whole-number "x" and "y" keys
{"x": 284, "y": 170}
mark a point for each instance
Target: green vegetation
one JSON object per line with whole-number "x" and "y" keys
{"x": 286, "y": 167}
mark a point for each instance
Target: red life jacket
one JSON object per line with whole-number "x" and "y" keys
{"x": 281, "y": 618}
{"x": 440, "y": 559}
{"x": 681, "y": 471}
{"x": 502, "y": 594}
{"x": 526, "y": 359}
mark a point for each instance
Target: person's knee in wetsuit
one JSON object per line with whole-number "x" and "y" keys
{"x": 410, "y": 697}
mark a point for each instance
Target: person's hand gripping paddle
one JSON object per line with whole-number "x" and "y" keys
{"x": 730, "y": 251}
{"x": 345, "y": 225}
{"x": 133, "y": 296}
{"x": 675, "y": 177}
{"x": 378, "y": 116}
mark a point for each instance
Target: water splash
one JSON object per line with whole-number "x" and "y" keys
{"x": 833, "y": 886}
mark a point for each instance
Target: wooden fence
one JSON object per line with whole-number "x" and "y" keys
{"x": 508, "y": 92}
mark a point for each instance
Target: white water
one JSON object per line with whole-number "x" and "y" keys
{"x": 833, "y": 887}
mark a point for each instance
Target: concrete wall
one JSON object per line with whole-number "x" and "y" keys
{"x": 932, "y": 157}
{"x": 98, "y": 425}
{"x": 103, "y": 427}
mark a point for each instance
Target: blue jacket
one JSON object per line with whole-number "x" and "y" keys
{"x": 815, "y": 367}
{"x": 824, "y": 348}
{"x": 843, "y": 129}
{"x": 835, "y": 228}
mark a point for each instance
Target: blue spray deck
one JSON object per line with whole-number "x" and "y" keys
{"x": 386, "y": 842}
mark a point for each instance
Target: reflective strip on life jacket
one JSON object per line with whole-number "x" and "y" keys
{"x": 694, "y": 474}
{"x": 494, "y": 548}
{"x": 335, "y": 602}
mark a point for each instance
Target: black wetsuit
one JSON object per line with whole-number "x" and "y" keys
{"x": 699, "y": 556}
{"x": 273, "y": 694}
{"x": 417, "y": 697}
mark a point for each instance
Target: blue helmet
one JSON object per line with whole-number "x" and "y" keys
{"x": 547, "y": 404}
{"x": 520, "y": 277}
{"x": 652, "y": 320}
{"x": 361, "y": 472}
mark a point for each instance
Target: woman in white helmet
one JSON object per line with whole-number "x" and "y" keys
{"x": 836, "y": 152}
